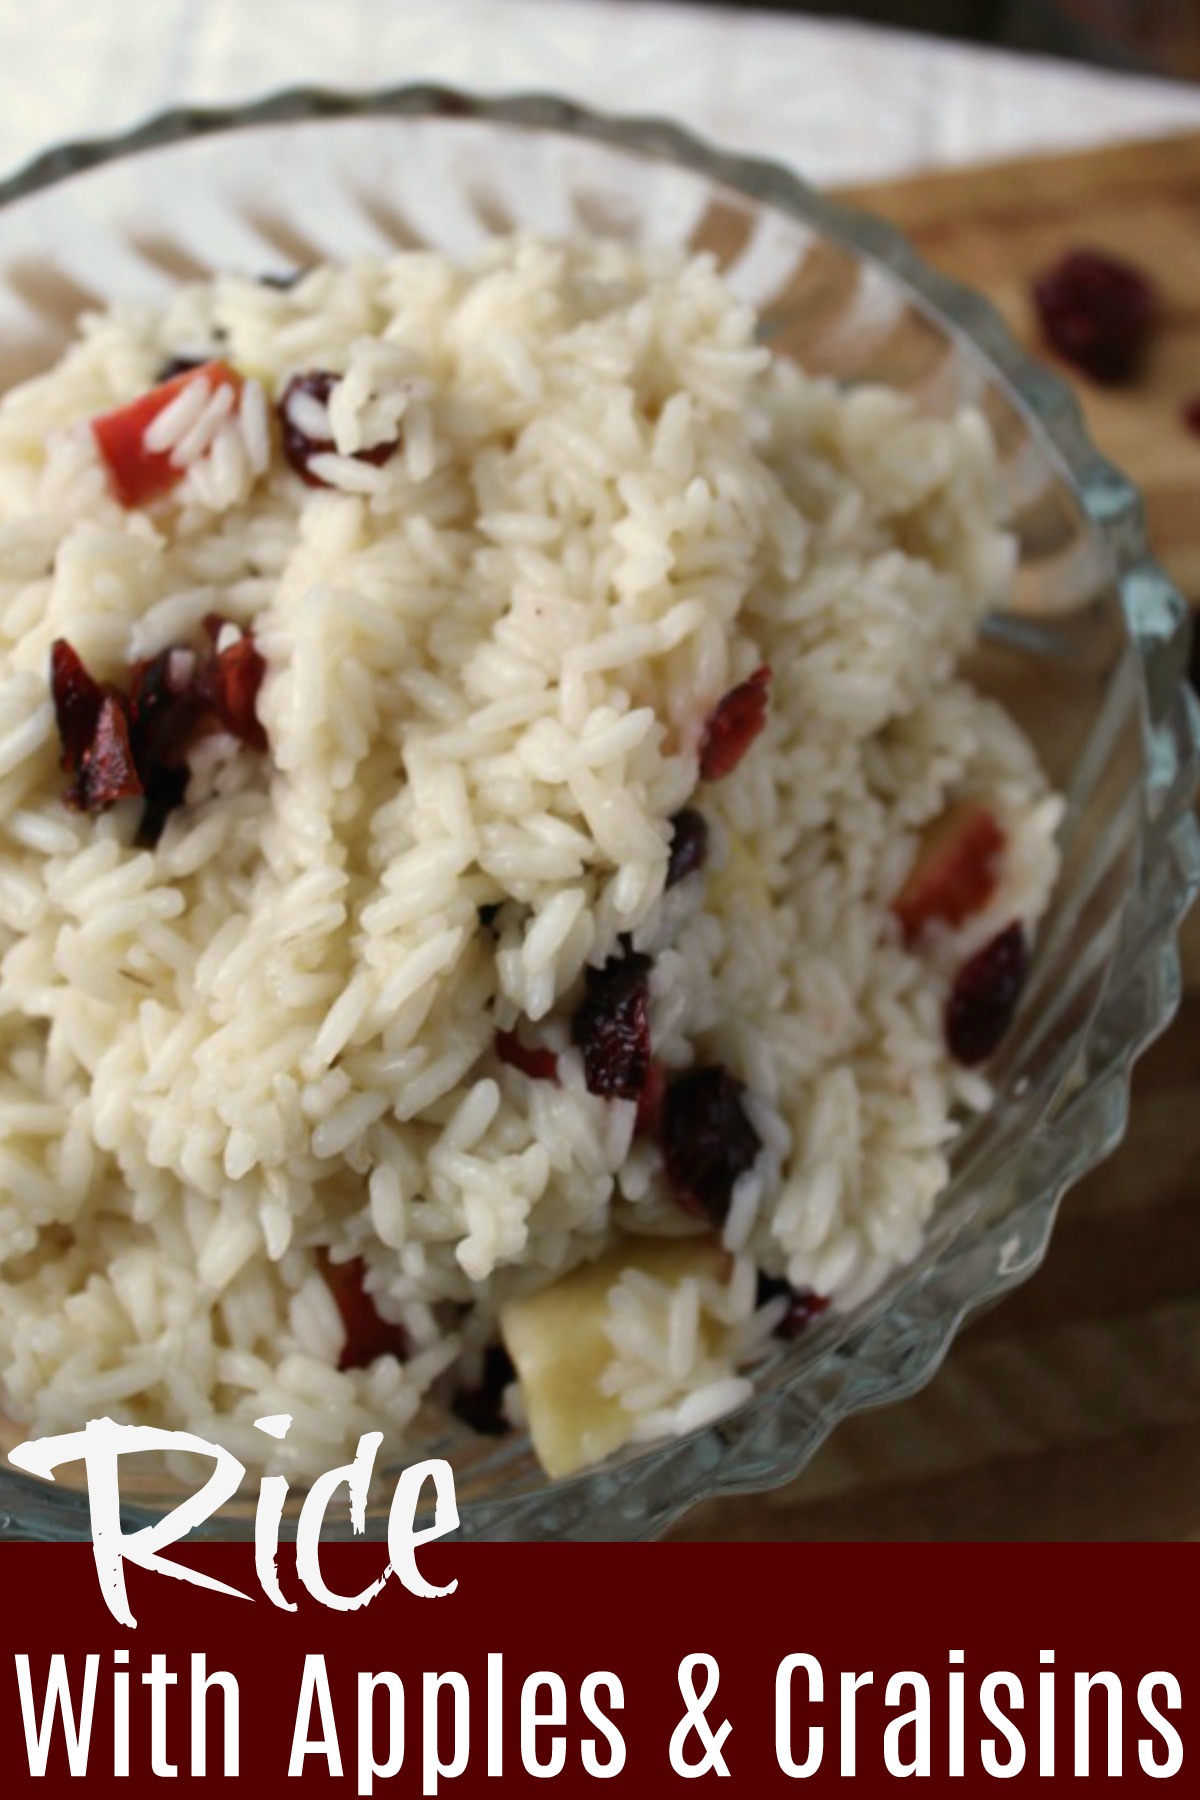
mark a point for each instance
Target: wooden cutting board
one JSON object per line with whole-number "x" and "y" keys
{"x": 1071, "y": 1411}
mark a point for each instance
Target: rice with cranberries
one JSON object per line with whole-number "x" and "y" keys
{"x": 484, "y": 790}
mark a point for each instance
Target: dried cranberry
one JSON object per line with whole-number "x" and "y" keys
{"x": 178, "y": 697}
{"x": 707, "y": 1140}
{"x": 77, "y": 696}
{"x": 168, "y": 716}
{"x": 803, "y": 1305}
{"x": 166, "y": 789}
{"x": 733, "y": 725}
{"x": 689, "y": 845}
{"x": 482, "y": 1407}
{"x": 650, "y": 1102}
{"x": 985, "y": 995}
{"x": 538, "y": 1063}
{"x": 1098, "y": 312}
{"x": 1189, "y": 412}
{"x": 161, "y": 689}
{"x": 118, "y": 746}
{"x": 367, "y": 1335}
{"x": 229, "y": 683}
{"x": 94, "y": 731}
{"x": 106, "y": 771}
{"x": 299, "y": 448}
{"x": 956, "y": 870}
{"x": 612, "y": 1027}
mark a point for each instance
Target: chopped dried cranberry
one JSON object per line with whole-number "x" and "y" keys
{"x": 77, "y": 696}
{"x": 299, "y": 448}
{"x": 367, "y": 1335}
{"x": 177, "y": 698}
{"x": 1098, "y": 312}
{"x": 166, "y": 789}
{"x": 106, "y": 771}
{"x": 482, "y": 1407}
{"x": 1189, "y": 412}
{"x": 229, "y": 682}
{"x": 168, "y": 716}
{"x": 956, "y": 871}
{"x": 650, "y": 1102}
{"x": 159, "y": 688}
{"x": 733, "y": 725}
{"x": 93, "y": 728}
{"x": 118, "y": 746}
{"x": 538, "y": 1063}
{"x": 985, "y": 995}
{"x": 689, "y": 845}
{"x": 803, "y": 1305}
{"x": 612, "y": 1027}
{"x": 707, "y": 1140}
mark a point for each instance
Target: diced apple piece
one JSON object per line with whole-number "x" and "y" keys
{"x": 956, "y": 871}
{"x": 560, "y": 1350}
{"x": 739, "y": 885}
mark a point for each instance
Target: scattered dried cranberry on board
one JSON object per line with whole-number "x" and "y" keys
{"x": 367, "y": 1335}
{"x": 984, "y": 996}
{"x": 136, "y": 474}
{"x": 482, "y": 1407}
{"x": 538, "y": 1063}
{"x": 689, "y": 845}
{"x": 612, "y": 1027}
{"x": 299, "y": 448}
{"x": 732, "y": 726}
{"x": 707, "y": 1140}
{"x": 803, "y": 1305}
{"x": 1098, "y": 312}
{"x": 956, "y": 871}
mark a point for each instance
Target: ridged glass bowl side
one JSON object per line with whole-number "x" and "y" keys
{"x": 1090, "y": 659}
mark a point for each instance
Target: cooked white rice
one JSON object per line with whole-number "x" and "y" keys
{"x": 268, "y": 1042}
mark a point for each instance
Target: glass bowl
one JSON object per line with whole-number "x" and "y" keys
{"x": 1090, "y": 658}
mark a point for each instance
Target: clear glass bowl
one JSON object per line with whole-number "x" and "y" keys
{"x": 1090, "y": 658}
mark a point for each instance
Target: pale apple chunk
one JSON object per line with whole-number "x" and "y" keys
{"x": 739, "y": 885}
{"x": 560, "y": 1350}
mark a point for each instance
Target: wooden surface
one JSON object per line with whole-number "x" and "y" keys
{"x": 1072, "y": 1410}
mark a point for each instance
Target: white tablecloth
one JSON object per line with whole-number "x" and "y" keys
{"x": 839, "y": 101}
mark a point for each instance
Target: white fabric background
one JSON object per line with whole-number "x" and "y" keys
{"x": 839, "y": 101}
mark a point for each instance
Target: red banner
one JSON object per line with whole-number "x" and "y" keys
{"x": 645, "y": 1667}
